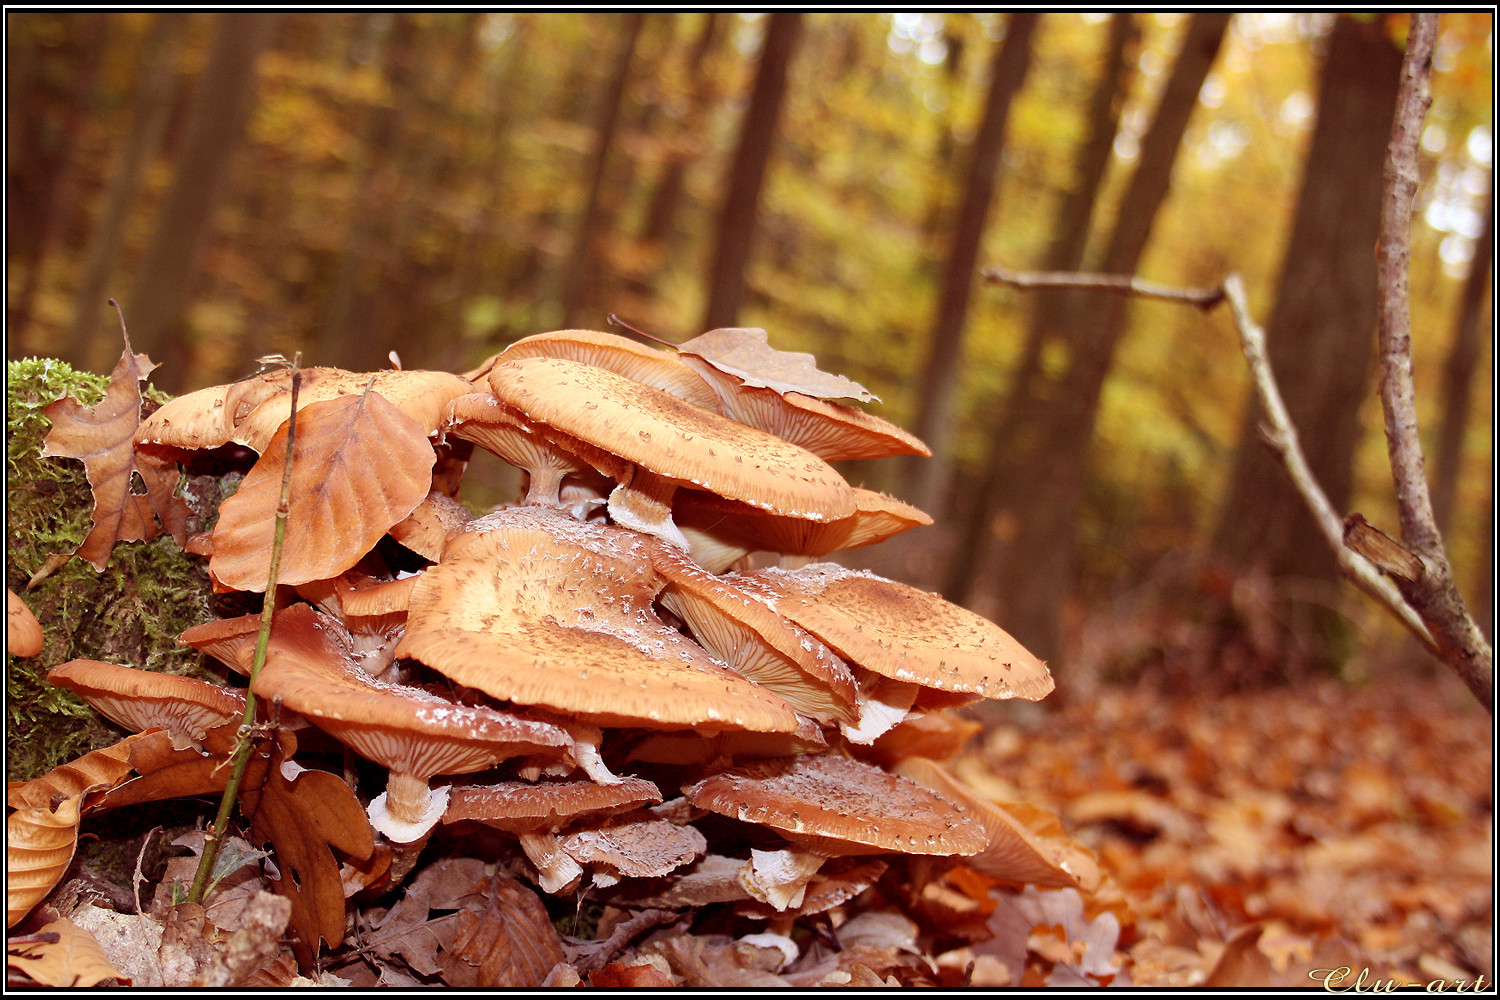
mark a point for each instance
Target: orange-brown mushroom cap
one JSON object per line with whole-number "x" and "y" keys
{"x": 144, "y": 699}
{"x": 23, "y": 633}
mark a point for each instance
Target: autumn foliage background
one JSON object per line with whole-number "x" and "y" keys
{"x": 442, "y": 184}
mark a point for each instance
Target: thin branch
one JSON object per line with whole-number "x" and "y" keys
{"x": 1282, "y": 436}
{"x": 1434, "y": 594}
{"x": 1203, "y": 298}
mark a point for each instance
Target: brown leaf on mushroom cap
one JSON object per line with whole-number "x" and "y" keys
{"x": 673, "y": 439}
{"x": 421, "y": 395}
{"x": 746, "y": 353}
{"x": 402, "y": 728}
{"x": 835, "y": 432}
{"x": 515, "y": 806}
{"x": 103, "y": 436}
{"x": 144, "y": 699}
{"x": 531, "y": 606}
{"x": 835, "y": 798}
{"x": 23, "y": 633}
{"x": 360, "y": 465}
{"x": 620, "y": 355}
{"x": 755, "y": 641}
{"x": 738, "y": 528}
{"x": 900, "y": 631}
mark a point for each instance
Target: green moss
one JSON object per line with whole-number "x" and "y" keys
{"x": 132, "y": 613}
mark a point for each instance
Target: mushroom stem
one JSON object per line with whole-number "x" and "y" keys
{"x": 407, "y": 796}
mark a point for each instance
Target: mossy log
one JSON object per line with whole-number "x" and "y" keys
{"x": 131, "y": 613}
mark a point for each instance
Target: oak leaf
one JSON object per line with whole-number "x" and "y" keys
{"x": 359, "y": 466}
{"x": 103, "y": 437}
{"x": 746, "y": 353}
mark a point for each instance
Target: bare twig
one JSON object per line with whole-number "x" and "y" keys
{"x": 1278, "y": 431}
{"x": 1282, "y": 436}
{"x": 1434, "y": 594}
{"x": 241, "y": 757}
{"x": 1203, "y": 298}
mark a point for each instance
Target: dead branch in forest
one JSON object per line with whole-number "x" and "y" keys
{"x": 1419, "y": 604}
{"x": 1433, "y": 594}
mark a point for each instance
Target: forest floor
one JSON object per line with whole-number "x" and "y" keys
{"x": 1352, "y": 826}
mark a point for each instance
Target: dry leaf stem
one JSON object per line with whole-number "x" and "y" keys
{"x": 244, "y": 742}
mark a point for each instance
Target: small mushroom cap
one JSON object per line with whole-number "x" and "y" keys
{"x": 831, "y": 797}
{"x": 23, "y": 633}
{"x": 620, "y": 355}
{"x": 517, "y": 806}
{"x": 674, "y": 439}
{"x": 223, "y": 639}
{"x": 636, "y": 845}
{"x": 425, "y": 529}
{"x": 145, "y": 699}
{"x": 900, "y": 631}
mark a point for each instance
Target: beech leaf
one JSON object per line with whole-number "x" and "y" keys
{"x": 360, "y": 465}
{"x": 746, "y": 353}
{"x": 103, "y": 437}
{"x": 74, "y": 960}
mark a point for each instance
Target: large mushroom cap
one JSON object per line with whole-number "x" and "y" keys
{"x": 673, "y": 439}
{"x": 900, "y": 631}
{"x": 839, "y": 799}
{"x": 620, "y": 355}
{"x": 531, "y": 606}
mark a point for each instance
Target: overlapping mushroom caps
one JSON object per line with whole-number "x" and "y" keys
{"x": 590, "y": 636}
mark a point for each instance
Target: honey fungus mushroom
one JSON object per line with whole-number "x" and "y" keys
{"x": 145, "y": 699}
{"x": 670, "y": 443}
{"x": 413, "y": 733}
{"x": 23, "y": 634}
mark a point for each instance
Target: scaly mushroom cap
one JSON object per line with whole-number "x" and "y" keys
{"x": 729, "y": 529}
{"x": 413, "y": 733}
{"x": 900, "y": 631}
{"x": 23, "y": 633}
{"x": 519, "y": 806}
{"x": 144, "y": 699}
{"x": 531, "y": 606}
{"x": 673, "y": 439}
{"x": 833, "y": 798}
{"x": 1013, "y": 851}
{"x": 249, "y": 412}
{"x": 636, "y": 845}
{"x": 755, "y": 641}
{"x": 425, "y": 530}
{"x": 832, "y": 431}
{"x": 620, "y": 355}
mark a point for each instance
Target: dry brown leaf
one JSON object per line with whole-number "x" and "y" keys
{"x": 74, "y": 960}
{"x": 307, "y": 817}
{"x": 616, "y": 976}
{"x": 746, "y": 353}
{"x": 504, "y": 936}
{"x": 103, "y": 436}
{"x": 360, "y": 465}
{"x": 42, "y": 833}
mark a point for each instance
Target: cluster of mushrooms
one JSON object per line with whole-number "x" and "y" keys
{"x": 595, "y": 672}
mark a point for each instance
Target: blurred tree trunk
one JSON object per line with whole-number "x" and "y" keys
{"x": 973, "y": 519}
{"x": 152, "y": 104}
{"x": 1458, "y": 373}
{"x": 343, "y": 342}
{"x": 224, "y": 99}
{"x": 581, "y": 271}
{"x": 938, "y": 388}
{"x": 667, "y": 195}
{"x": 1050, "y": 451}
{"x": 941, "y": 179}
{"x": 737, "y": 219}
{"x": 41, "y": 217}
{"x": 1320, "y": 331}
